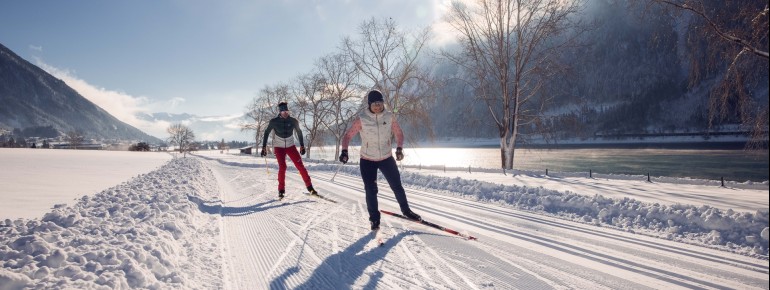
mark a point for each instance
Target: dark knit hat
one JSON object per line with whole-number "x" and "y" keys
{"x": 374, "y": 96}
{"x": 282, "y": 106}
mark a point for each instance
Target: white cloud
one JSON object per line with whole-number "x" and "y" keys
{"x": 120, "y": 105}
{"x": 221, "y": 118}
{"x": 36, "y": 47}
{"x": 175, "y": 102}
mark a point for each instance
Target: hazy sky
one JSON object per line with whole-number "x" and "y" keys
{"x": 207, "y": 58}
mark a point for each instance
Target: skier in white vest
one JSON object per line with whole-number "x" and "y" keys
{"x": 376, "y": 126}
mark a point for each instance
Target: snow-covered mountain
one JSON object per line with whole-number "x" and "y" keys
{"x": 32, "y": 98}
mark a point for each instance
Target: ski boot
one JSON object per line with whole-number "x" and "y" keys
{"x": 375, "y": 225}
{"x": 312, "y": 191}
{"x": 413, "y": 216}
{"x": 281, "y": 193}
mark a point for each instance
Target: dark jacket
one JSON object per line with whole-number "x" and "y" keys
{"x": 284, "y": 129}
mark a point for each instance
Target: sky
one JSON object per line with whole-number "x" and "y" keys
{"x": 207, "y": 58}
{"x": 212, "y": 221}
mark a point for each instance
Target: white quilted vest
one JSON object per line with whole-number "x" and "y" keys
{"x": 376, "y": 135}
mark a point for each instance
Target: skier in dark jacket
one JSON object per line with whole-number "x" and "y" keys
{"x": 283, "y": 127}
{"x": 376, "y": 126}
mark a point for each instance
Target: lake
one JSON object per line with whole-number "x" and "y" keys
{"x": 734, "y": 165}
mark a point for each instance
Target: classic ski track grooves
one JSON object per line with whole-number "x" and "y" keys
{"x": 446, "y": 264}
{"x": 305, "y": 242}
{"x": 421, "y": 270}
{"x": 682, "y": 278}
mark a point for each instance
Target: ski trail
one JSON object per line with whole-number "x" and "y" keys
{"x": 439, "y": 261}
{"x": 420, "y": 268}
{"x": 307, "y": 243}
{"x": 226, "y": 267}
{"x": 245, "y": 226}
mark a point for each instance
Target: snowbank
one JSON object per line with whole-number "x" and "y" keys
{"x": 662, "y": 179}
{"x": 740, "y": 232}
{"x": 144, "y": 233}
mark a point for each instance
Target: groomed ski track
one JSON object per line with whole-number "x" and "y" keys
{"x": 303, "y": 242}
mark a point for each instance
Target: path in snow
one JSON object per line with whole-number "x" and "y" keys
{"x": 303, "y": 242}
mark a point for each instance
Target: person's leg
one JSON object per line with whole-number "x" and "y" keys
{"x": 389, "y": 169}
{"x": 294, "y": 155}
{"x": 369, "y": 176}
{"x": 280, "y": 155}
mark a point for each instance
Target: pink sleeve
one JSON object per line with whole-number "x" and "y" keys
{"x": 396, "y": 128}
{"x": 352, "y": 131}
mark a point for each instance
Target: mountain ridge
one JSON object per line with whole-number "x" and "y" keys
{"x": 32, "y": 97}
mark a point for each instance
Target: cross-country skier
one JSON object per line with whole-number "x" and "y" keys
{"x": 376, "y": 126}
{"x": 283, "y": 127}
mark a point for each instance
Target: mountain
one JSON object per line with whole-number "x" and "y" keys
{"x": 31, "y": 97}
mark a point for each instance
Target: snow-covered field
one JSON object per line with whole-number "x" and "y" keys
{"x": 36, "y": 179}
{"x": 212, "y": 221}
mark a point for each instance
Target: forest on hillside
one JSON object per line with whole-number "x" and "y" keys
{"x": 631, "y": 73}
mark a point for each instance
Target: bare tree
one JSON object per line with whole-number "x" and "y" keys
{"x": 509, "y": 49}
{"x": 312, "y": 102}
{"x": 183, "y": 137}
{"x": 341, "y": 87}
{"x": 389, "y": 59}
{"x": 728, "y": 41}
{"x": 263, "y": 108}
{"x": 75, "y": 138}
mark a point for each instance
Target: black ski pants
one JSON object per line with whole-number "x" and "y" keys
{"x": 389, "y": 169}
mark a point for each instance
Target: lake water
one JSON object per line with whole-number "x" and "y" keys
{"x": 735, "y": 165}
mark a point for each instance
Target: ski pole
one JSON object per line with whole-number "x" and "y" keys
{"x": 266, "y": 169}
{"x": 338, "y": 170}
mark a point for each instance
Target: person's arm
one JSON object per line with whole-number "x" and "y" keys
{"x": 396, "y": 129}
{"x": 267, "y": 132}
{"x": 298, "y": 131}
{"x": 352, "y": 131}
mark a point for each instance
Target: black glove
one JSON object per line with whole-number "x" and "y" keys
{"x": 399, "y": 153}
{"x": 263, "y": 153}
{"x": 301, "y": 150}
{"x": 344, "y": 156}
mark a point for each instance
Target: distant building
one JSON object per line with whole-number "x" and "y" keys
{"x": 87, "y": 146}
{"x": 246, "y": 150}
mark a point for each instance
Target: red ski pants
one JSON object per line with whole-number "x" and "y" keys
{"x": 280, "y": 155}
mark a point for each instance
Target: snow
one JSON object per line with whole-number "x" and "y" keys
{"x": 212, "y": 221}
{"x": 36, "y": 179}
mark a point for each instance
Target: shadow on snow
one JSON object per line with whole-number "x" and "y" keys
{"x": 215, "y": 207}
{"x": 351, "y": 264}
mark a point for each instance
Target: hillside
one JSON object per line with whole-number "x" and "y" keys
{"x": 31, "y": 97}
{"x": 630, "y": 73}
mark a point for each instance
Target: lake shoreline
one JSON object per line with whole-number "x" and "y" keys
{"x": 689, "y": 143}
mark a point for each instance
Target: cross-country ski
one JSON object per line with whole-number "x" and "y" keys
{"x": 319, "y": 196}
{"x": 430, "y": 224}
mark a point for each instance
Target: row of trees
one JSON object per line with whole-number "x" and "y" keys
{"x": 729, "y": 41}
{"x": 507, "y": 52}
{"x": 382, "y": 57}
